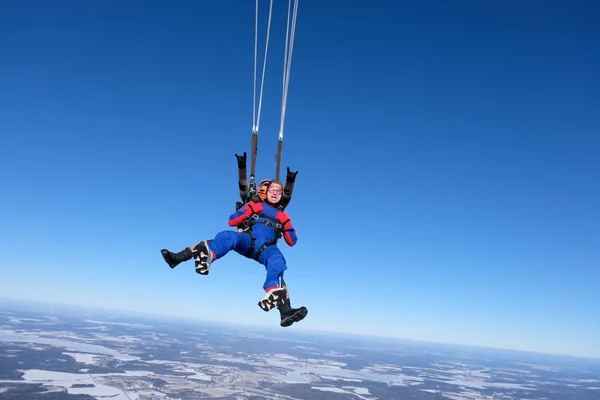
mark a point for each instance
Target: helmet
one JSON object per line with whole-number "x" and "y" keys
{"x": 262, "y": 188}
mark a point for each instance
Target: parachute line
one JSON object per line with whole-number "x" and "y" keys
{"x": 287, "y": 61}
{"x": 255, "y": 59}
{"x": 287, "y": 65}
{"x": 256, "y": 116}
{"x": 255, "y": 112}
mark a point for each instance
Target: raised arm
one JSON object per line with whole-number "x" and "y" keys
{"x": 242, "y": 177}
{"x": 286, "y": 197}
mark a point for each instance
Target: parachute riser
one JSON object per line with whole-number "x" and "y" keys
{"x": 278, "y": 159}
{"x": 253, "y": 153}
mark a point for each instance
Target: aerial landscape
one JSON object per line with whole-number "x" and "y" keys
{"x": 75, "y": 353}
{"x": 434, "y": 203}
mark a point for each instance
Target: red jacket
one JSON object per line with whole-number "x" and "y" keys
{"x": 266, "y": 214}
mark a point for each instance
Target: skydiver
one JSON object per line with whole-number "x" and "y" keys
{"x": 261, "y": 194}
{"x": 266, "y": 223}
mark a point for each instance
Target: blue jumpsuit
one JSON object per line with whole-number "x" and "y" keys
{"x": 241, "y": 242}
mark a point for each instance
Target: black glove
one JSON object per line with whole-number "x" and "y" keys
{"x": 241, "y": 161}
{"x": 291, "y": 176}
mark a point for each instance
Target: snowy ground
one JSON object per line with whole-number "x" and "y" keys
{"x": 325, "y": 371}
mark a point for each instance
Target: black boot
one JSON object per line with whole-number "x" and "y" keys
{"x": 290, "y": 315}
{"x": 174, "y": 259}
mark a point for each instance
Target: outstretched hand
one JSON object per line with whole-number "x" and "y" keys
{"x": 291, "y": 176}
{"x": 241, "y": 160}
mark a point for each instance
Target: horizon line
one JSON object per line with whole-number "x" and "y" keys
{"x": 299, "y": 330}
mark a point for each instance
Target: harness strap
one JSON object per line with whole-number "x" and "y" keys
{"x": 262, "y": 248}
{"x": 275, "y": 225}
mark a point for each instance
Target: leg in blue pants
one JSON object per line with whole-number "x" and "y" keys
{"x": 205, "y": 252}
{"x": 275, "y": 264}
{"x": 226, "y": 241}
{"x": 271, "y": 258}
{"x": 240, "y": 242}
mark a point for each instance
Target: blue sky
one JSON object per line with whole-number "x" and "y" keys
{"x": 448, "y": 183}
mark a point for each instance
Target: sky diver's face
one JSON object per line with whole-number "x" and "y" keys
{"x": 274, "y": 193}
